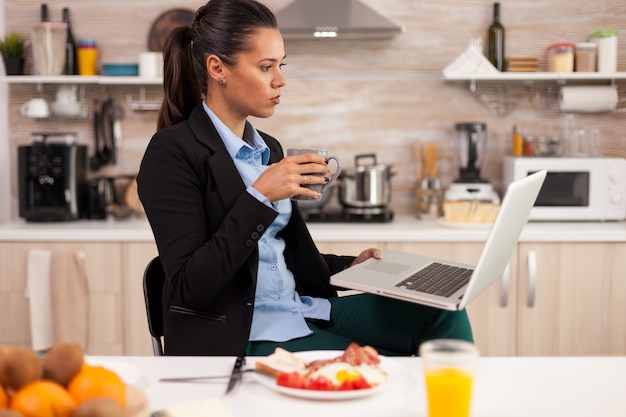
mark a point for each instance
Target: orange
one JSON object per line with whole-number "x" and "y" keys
{"x": 43, "y": 398}
{"x": 4, "y": 398}
{"x": 96, "y": 381}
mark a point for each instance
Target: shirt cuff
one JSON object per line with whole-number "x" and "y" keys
{"x": 254, "y": 193}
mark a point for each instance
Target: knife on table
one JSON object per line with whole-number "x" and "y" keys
{"x": 236, "y": 374}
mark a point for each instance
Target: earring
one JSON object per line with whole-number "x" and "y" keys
{"x": 220, "y": 81}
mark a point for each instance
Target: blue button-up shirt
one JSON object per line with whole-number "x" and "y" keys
{"x": 279, "y": 312}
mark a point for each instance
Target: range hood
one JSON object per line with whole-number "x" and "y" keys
{"x": 341, "y": 19}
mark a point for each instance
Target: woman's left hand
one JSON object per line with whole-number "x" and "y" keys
{"x": 366, "y": 254}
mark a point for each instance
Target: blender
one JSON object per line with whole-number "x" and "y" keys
{"x": 472, "y": 140}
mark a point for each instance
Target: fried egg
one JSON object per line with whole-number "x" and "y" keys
{"x": 339, "y": 372}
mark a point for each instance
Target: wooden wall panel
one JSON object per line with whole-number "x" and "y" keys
{"x": 355, "y": 97}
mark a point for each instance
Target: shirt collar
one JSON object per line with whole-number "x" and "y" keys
{"x": 237, "y": 148}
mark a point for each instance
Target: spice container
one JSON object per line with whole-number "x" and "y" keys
{"x": 518, "y": 141}
{"x": 561, "y": 57}
{"x": 586, "y": 54}
{"x": 87, "y": 57}
{"x": 607, "y": 49}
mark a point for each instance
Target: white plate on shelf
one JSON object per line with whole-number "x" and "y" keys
{"x": 395, "y": 372}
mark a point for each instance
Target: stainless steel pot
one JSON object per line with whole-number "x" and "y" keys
{"x": 367, "y": 185}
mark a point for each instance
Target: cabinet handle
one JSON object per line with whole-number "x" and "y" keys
{"x": 504, "y": 289}
{"x": 532, "y": 277}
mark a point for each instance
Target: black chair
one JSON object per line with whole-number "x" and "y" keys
{"x": 153, "y": 280}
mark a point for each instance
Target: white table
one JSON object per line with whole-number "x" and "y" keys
{"x": 504, "y": 387}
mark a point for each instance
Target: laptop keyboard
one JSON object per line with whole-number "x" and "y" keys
{"x": 438, "y": 279}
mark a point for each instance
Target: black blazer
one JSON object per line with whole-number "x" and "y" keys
{"x": 206, "y": 228}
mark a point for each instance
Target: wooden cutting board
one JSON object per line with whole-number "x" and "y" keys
{"x": 165, "y": 23}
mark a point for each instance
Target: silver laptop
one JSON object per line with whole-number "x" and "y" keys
{"x": 407, "y": 276}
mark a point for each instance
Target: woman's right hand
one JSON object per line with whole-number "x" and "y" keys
{"x": 284, "y": 179}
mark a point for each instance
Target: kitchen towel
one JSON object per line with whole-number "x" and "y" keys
{"x": 70, "y": 302}
{"x": 588, "y": 98}
{"x": 40, "y": 301}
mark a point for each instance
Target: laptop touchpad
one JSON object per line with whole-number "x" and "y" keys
{"x": 386, "y": 267}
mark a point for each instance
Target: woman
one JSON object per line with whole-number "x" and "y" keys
{"x": 243, "y": 274}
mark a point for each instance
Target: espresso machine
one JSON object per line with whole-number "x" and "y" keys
{"x": 52, "y": 178}
{"x": 472, "y": 140}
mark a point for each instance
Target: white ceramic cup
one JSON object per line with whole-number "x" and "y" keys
{"x": 151, "y": 64}
{"x": 66, "y": 94}
{"x": 35, "y": 108}
{"x": 320, "y": 188}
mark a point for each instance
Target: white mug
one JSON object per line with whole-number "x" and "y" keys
{"x": 35, "y": 108}
{"x": 66, "y": 94}
{"x": 320, "y": 188}
{"x": 151, "y": 64}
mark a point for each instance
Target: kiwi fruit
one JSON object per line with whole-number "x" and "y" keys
{"x": 62, "y": 362}
{"x": 18, "y": 367}
{"x": 98, "y": 407}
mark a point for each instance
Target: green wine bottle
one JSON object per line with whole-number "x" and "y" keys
{"x": 495, "y": 52}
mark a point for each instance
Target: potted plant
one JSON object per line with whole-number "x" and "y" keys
{"x": 12, "y": 50}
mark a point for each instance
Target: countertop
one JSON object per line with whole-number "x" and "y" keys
{"x": 506, "y": 387}
{"x": 401, "y": 229}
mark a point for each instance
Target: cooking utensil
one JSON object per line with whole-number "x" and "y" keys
{"x": 112, "y": 114}
{"x": 236, "y": 375}
{"x": 105, "y": 154}
{"x": 366, "y": 185}
{"x": 96, "y": 160}
{"x": 429, "y": 193}
{"x": 202, "y": 378}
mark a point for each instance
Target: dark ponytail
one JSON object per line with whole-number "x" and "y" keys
{"x": 180, "y": 82}
{"x": 222, "y": 28}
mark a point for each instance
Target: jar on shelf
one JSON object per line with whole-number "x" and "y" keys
{"x": 607, "y": 49}
{"x": 585, "y": 57}
{"x": 87, "y": 57}
{"x": 561, "y": 57}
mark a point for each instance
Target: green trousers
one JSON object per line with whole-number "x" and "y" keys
{"x": 393, "y": 327}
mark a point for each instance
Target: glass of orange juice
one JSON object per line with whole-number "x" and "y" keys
{"x": 449, "y": 367}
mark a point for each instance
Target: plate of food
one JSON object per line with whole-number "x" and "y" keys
{"x": 328, "y": 374}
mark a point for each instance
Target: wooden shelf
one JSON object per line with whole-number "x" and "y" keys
{"x": 79, "y": 79}
{"x": 537, "y": 76}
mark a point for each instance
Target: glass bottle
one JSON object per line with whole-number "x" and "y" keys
{"x": 44, "y": 12}
{"x": 495, "y": 51}
{"x": 71, "y": 59}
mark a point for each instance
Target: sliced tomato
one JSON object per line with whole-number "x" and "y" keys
{"x": 291, "y": 380}
{"x": 319, "y": 383}
{"x": 361, "y": 383}
{"x": 347, "y": 385}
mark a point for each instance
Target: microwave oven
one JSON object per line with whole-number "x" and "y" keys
{"x": 575, "y": 189}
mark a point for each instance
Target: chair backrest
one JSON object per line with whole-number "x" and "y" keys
{"x": 153, "y": 280}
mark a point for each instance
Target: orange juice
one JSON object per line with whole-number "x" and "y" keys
{"x": 449, "y": 391}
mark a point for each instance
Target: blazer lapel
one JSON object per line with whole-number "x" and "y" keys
{"x": 220, "y": 164}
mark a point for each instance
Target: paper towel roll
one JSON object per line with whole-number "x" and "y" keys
{"x": 588, "y": 98}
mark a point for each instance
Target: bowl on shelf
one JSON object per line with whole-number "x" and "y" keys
{"x": 120, "y": 69}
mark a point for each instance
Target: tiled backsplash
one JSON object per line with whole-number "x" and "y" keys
{"x": 352, "y": 97}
